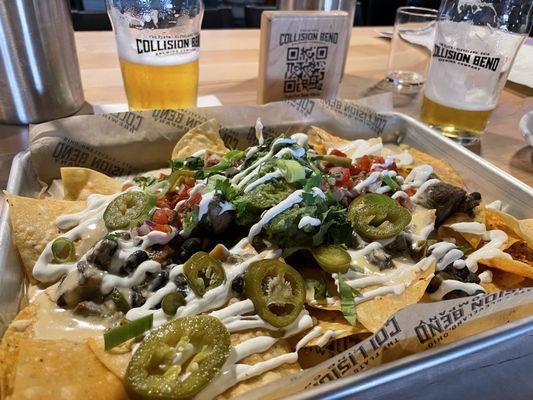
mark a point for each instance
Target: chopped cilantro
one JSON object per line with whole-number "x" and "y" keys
{"x": 347, "y": 300}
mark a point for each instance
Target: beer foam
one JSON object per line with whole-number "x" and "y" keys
{"x": 469, "y": 65}
{"x": 155, "y": 47}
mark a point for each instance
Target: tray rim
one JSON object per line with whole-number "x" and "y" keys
{"x": 460, "y": 348}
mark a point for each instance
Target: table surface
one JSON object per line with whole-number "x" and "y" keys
{"x": 229, "y": 69}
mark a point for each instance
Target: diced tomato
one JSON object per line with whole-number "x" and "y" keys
{"x": 410, "y": 191}
{"x": 355, "y": 170}
{"x": 379, "y": 160}
{"x": 162, "y": 215}
{"x": 162, "y": 228}
{"x": 349, "y": 184}
{"x": 195, "y": 199}
{"x": 212, "y": 161}
{"x": 337, "y": 153}
{"x": 162, "y": 175}
{"x": 127, "y": 185}
{"x": 393, "y": 167}
{"x": 340, "y": 174}
{"x": 163, "y": 203}
{"x": 364, "y": 163}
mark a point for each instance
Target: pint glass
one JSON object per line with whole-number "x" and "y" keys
{"x": 476, "y": 42}
{"x": 158, "y": 45}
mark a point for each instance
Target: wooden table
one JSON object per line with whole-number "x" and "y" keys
{"x": 229, "y": 69}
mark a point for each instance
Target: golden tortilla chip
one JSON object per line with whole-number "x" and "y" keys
{"x": 374, "y": 313}
{"x": 204, "y": 137}
{"x": 335, "y": 321}
{"x": 116, "y": 360}
{"x": 502, "y": 280}
{"x": 79, "y": 183}
{"x": 519, "y": 229}
{"x": 510, "y": 265}
{"x": 20, "y": 329}
{"x": 441, "y": 168}
{"x": 59, "y": 369}
{"x": 471, "y": 239}
{"x": 33, "y": 224}
{"x": 318, "y": 137}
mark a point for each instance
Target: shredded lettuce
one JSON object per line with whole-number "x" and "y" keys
{"x": 347, "y": 300}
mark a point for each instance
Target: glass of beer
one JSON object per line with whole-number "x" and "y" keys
{"x": 158, "y": 46}
{"x": 476, "y": 42}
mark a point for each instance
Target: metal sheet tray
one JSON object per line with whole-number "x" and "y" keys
{"x": 491, "y": 365}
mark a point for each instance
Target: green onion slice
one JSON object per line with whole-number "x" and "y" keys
{"x": 347, "y": 300}
{"x": 338, "y": 161}
{"x": 291, "y": 170}
{"x": 390, "y": 182}
{"x": 121, "y": 334}
{"x": 63, "y": 250}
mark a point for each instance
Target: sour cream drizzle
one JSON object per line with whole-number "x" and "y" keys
{"x": 417, "y": 176}
{"x": 308, "y": 221}
{"x": 450, "y": 285}
{"x": 294, "y": 198}
{"x": 266, "y": 178}
{"x": 44, "y": 270}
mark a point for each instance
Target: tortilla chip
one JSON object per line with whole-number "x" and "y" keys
{"x": 519, "y": 229}
{"x": 281, "y": 347}
{"x": 510, "y": 265}
{"x": 502, "y": 280}
{"x": 441, "y": 168}
{"x": 335, "y": 321}
{"x": 59, "y": 369}
{"x": 19, "y": 330}
{"x": 116, "y": 360}
{"x": 33, "y": 224}
{"x": 204, "y": 137}
{"x": 374, "y": 313}
{"x": 321, "y": 138}
{"x": 471, "y": 239}
{"x": 79, "y": 183}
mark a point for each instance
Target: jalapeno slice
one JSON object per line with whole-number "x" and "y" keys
{"x": 171, "y": 302}
{"x": 332, "y": 259}
{"x": 377, "y": 216}
{"x": 277, "y": 291}
{"x": 126, "y": 210}
{"x": 203, "y": 273}
{"x": 177, "y": 360}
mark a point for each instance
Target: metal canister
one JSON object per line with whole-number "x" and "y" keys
{"x": 39, "y": 70}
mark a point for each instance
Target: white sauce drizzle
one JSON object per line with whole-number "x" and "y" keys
{"x": 450, "y": 285}
{"x": 403, "y": 158}
{"x": 425, "y": 186}
{"x": 475, "y": 228}
{"x": 490, "y": 250}
{"x": 301, "y": 138}
{"x": 485, "y": 276}
{"x": 294, "y": 198}
{"x": 266, "y": 178}
{"x": 417, "y": 176}
{"x": 308, "y": 221}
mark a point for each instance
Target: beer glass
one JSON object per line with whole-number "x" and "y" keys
{"x": 411, "y": 46}
{"x": 476, "y": 42}
{"x": 158, "y": 46}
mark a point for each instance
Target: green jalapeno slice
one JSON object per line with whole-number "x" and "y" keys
{"x": 277, "y": 291}
{"x": 377, "y": 216}
{"x": 332, "y": 259}
{"x": 178, "y": 359}
{"x": 126, "y": 210}
{"x": 171, "y": 302}
{"x": 203, "y": 272}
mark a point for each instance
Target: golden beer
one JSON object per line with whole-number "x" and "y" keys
{"x": 160, "y": 86}
{"x": 455, "y": 122}
{"x": 158, "y": 45}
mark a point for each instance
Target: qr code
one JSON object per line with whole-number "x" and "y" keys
{"x": 305, "y": 69}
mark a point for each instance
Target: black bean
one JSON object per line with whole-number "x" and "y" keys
{"x": 181, "y": 283}
{"x": 102, "y": 253}
{"x": 237, "y": 285}
{"x": 137, "y": 299}
{"x": 158, "y": 281}
{"x": 133, "y": 261}
{"x": 190, "y": 246}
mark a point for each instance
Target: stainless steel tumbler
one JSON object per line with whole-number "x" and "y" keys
{"x": 39, "y": 71}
